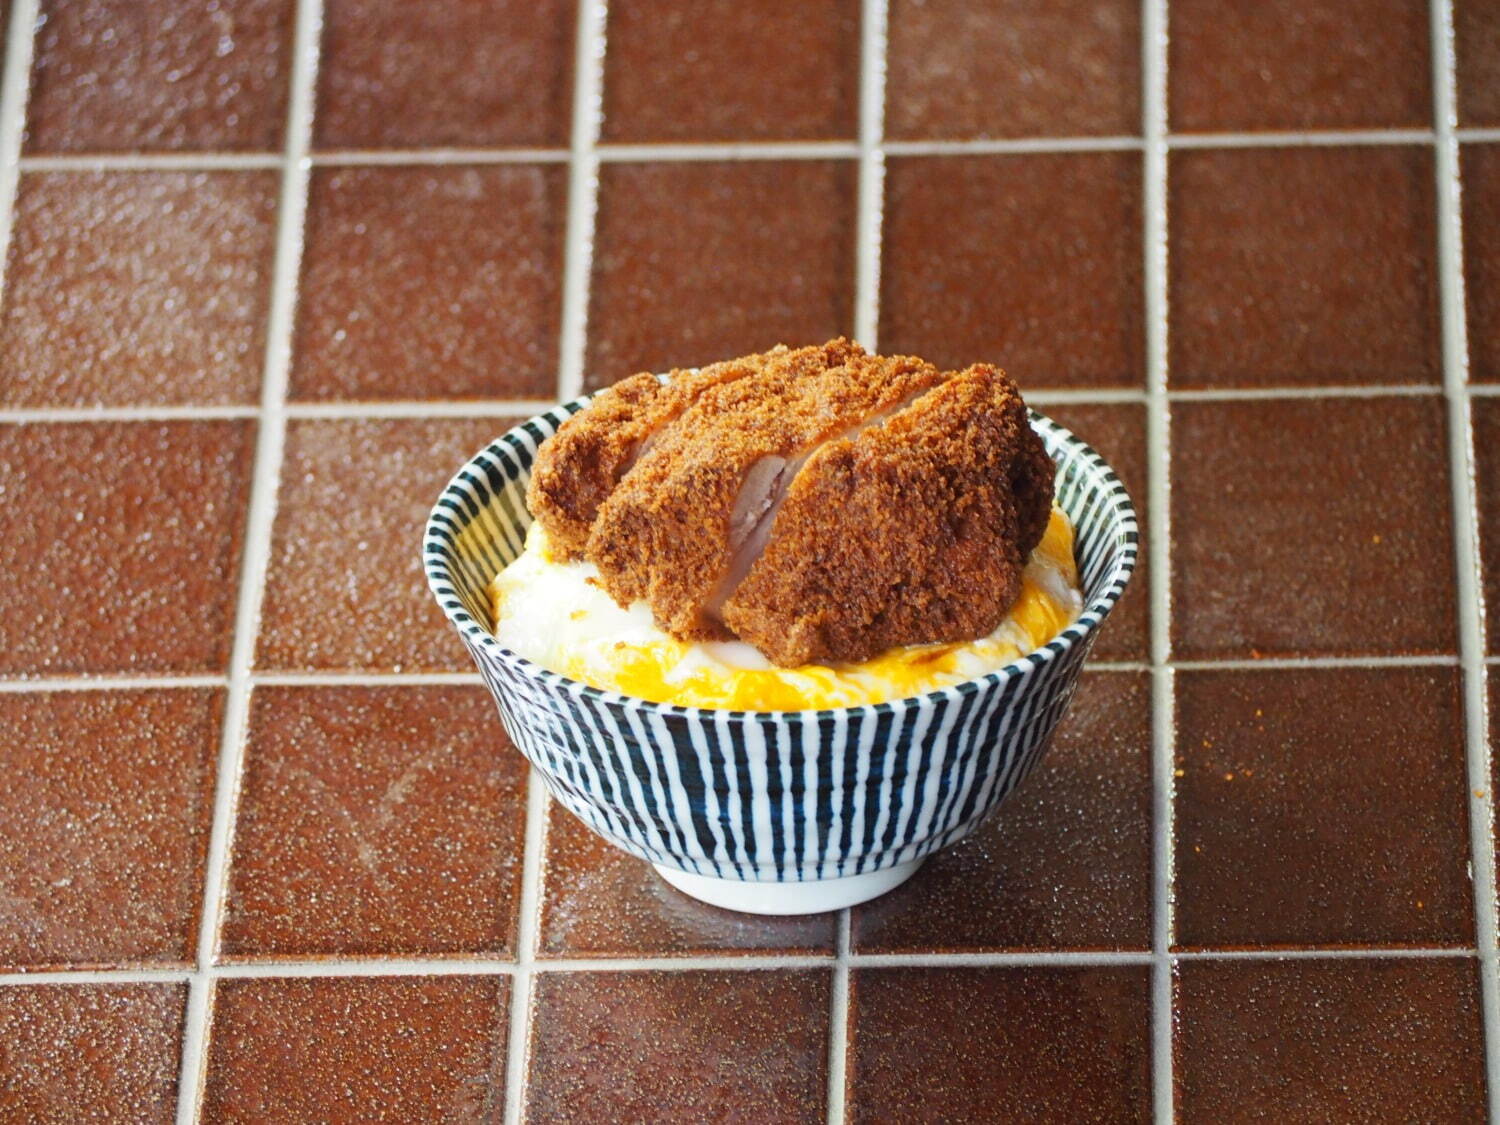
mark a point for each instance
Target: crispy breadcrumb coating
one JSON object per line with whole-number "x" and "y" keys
{"x": 821, "y": 503}
{"x": 915, "y": 532}
{"x": 665, "y": 535}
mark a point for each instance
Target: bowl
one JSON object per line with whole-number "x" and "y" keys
{"x": 773, "y": 812}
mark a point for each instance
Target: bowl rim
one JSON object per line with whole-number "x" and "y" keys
{"x": 435, "y": 554}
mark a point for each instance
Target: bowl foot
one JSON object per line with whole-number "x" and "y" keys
{"x": 811, "y": 897}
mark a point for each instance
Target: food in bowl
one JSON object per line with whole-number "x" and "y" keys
{"x": 807, "y": 528}
{"x": 775, "y": 812}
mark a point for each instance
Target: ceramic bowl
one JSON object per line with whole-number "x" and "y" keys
{"x": 773, "y": 812}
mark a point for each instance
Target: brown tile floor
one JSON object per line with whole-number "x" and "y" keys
{"x": 803, "y": 84}
{"x": 1063, "y": 306}
{"x": 679, "y": 1046}
{"x": 128, "y": 288}
{"x": 700, "y": 261}
{"x": 961, "y": 70}
{"x": 108, "y": 1052}
{"x": 1299, "y": 64}
{"x": 1297, "y": 1040}
{"x": 1239, "y": 887}
{"x": 122, "y": 76}
{"x": 1329, "y": 279}
{"x": 375, "y": 821}
{"x": 361, "y": 483}
{"x": 388, "y": 246}
{"x": 465, "y": 76}
{"x": 406, "y": 1048}
{"x": 1040, "y": 1043}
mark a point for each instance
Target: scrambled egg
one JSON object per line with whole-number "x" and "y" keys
{"x": 557, "y": 615}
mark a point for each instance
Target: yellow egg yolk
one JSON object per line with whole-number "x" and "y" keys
{"x": 557, "y": 615}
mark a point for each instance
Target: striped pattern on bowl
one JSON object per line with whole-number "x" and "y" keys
{"x": 772, "y": 796}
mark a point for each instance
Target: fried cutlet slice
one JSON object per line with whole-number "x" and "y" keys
{"x": 579, "y": 466}
{"x": 913, "y": 531}
{"x": 671, "y": 532}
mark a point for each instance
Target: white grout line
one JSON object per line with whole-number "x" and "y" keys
{"x": 1232, "y": 394}
{"x": 152, "y": 162}
{"x": 362, "y": 679}
{"x": 1057, "y": 396}
{"x": 469, "y": 965}
{"x": 1331, "y": 953}
{"x": 1484, "y": 389}
{"x": 1012, "y": 146}
{"x": 1158, "y": 431}
{"x": 764, "y": 150}
{"x": 95, "y": 976}
{"x": 1311, "y": 662}
{"x": 487, "y": 408}
{"x": 528, "y": 927}
{"x": 497, "y": 408}
{"x": 736, "y": 150}
{"x": 1465, "y": 533}
{"x": 257, "y": 544}
{"x": 1310, "y": 137}
{"x": 109, "y": 683}
{"x": 583, "y": 196}
{"x": 68, "y": 414}
{"x": 871, "y": 173}
{"x": 838, "y": 1024}
{"x": 13, "y": 93}
{"x": 419, "y": 156}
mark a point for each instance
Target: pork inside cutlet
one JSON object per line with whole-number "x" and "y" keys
{"x": 671, "y": 531}
{"x": 822, "y": 504}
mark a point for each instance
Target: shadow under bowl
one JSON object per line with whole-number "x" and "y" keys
{"x": 773, "y": 812}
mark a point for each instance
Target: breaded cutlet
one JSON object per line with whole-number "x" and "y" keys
{"x": 820, "y": 503}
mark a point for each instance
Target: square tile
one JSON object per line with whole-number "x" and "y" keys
{"x": 696, "y": 262}
{"x": 1486, "y": 423}
{"x": 1064, "y": 863}
{"x": 138, "y": 287}
{"x": 101, "y": 1052}
{"x": 679, "y": 1046}
{"x": 122, "y": 76}
{"x": 431, "y": 282}
{"x": 120, "y": 545}
{"x": 1006, "y": 68}
{"x": 1011, "y": 1044}
{"x": 345, "y": 589}
{"x": 597, "y": 901}
{"x": 1480, "y": 164}
{"x": 1299, "y": 64}
{"x": 1329, "y": 279}
{"x": 398, "y": 1048}
{"x": 1271, "y": 557}
{"x": 393, "y": 74}
{"x": 1118, "y": 432}
{"x": 1321, "y": 807}
{"x": 1476, "y": 33}
{"x": 376, "y": 821}
{"x": 105, "y": 825}
{"x": 757, "y": 70}
{"x": 1060, "y": 306}
{"x": 1329, "y": 1040}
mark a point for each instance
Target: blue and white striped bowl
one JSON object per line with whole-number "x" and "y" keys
{"x": 777, "y": 812}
